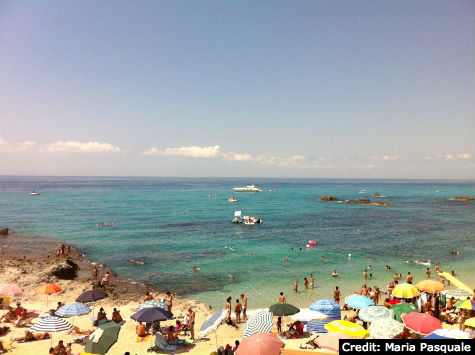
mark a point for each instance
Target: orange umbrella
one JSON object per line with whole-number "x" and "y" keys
{"x": 260, "y": 344}
{"x": 47, "y": 290}
{"x": 430, "y": 286}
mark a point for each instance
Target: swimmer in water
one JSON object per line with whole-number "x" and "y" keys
{"x": 405, "y": 261}
{"x": 323, "y": 258}
{"x": 136, "y": 262}
{"x": 195, "y": 269}
{"x": 286, "y": 258}
{"x": 231, "y": 277}
{"x": 334, "y": 273}
{"x": 252, "y": 253}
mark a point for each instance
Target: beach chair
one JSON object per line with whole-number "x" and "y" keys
{"x": 161, "y": 343}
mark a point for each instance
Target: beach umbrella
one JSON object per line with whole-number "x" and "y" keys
{"x": 306, "y": 314}
{"x": 421, "y": 323}
{"x": 435, "y": 336}
{"x": 103, "y": 338}
{"x": 47, "y": 290}
{"x": 325, "y": 306}
{"x": 467, "y": 304}
{"x": 405, "y": 290}
{"x": 457, "y": 293}
{"x": 344, "y": 326}
{"x": 10, "y": 290}
{"x": 402, "y": 309}
{"x": 51, "y": 324}
{"x": 331, "y": 341}
{"x": 450, "y": 333}
{"x": 456, "y": 282}
{"x": 470, "y": 322}
{"x": 212, "y": 323}
{"x": 152, "y": 304}
{"x": 91, "y": 296}
{"x": 283, "y": 309}
{"x": 358, "y": 301}
{"x": 150, "y": 315}
{"x": 72, "y": 310}
{"x": 371, "y": 313}
{"x": 430, "y": 286}
{"x": 258, "y": 323}
{"x": 260, "y": 344}
{"x": 385, "y": 328}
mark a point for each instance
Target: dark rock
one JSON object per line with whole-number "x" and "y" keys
{"x": 4, "y": 231}
{"x": 67, "y": 270}
{"x": 463, "y": 198}
{"x": 377, "y": 194}
{"x": 329, "y": 198}
{"x": 361, "y": 201}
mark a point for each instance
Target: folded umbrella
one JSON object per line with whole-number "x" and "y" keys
{"x": 283, "y": 309}
{"x": 150, "y": 315}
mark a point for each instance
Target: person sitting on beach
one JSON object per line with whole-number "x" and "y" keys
{"x": 60, "y": 349}
{"x": 116, "y": 317}
{"x": 172, "y": 337}
{"x": 29, "y": 336}
{"x": 179, "y": 327}
{"x": 105, "y": 279}
{"x": 281, "y": 298}
{"x": 148, "y": 296}
{"x": 9, "y": 316}
{"x": 295, "y": 330}
{"x": 140, "y": 330}
{"x": 101, "y": 316}
{"x": 22, "y": 315}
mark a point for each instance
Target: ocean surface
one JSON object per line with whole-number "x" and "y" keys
{"x": 174, "y": 224}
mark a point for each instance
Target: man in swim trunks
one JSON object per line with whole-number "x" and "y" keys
{"x": 409, "y": 278}
{"x": 244, "y": 307}
{"x": 281, "y": 298}
{"x": 312, "y": 281}
{"x": 336, "y": 295}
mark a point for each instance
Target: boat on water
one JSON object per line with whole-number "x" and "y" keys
{"x": 248, "y": 188}
{"x": 247, "y": 220}
{"x": 34, "y": 193}
{"x": 232, "y": 199}
{"x": 363, "y": 191}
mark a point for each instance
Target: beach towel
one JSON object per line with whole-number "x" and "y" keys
{"x": 142, "y": 339}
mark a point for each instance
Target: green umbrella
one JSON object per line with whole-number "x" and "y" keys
{"x": 401, "y": 309}
{"x": 110, "y": 333}
{"x": 283, "y": 309}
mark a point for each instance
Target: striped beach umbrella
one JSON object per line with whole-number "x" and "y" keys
{"x": 212, "y": 323}
{"x": 385, "y": 328}
{"x": 152, "y": 304}
{"x": 358, "y": 301}
{"x": 457, "y": 293}
{"x": 72, "y": 310}
{"x": 451, "y": 333}
{"x": 259, "y": 323}
{"x": 10, "y": 290}
{"x": 51, "y": 324}
{"x": 371, "y": 313}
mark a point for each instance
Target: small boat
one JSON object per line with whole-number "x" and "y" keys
{"x": 247, "y": 220}
{"x": 363, "y": 191}
{"x": 34, "y": 193}
{"x": 248, "y": 188}
{"x": 232, "y": 199}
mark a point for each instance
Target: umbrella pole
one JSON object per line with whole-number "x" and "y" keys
{"x": 47, "y": 310}
{"x": 216, "y": 337}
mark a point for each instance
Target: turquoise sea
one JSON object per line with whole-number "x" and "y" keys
{"x": 173, "y": 224}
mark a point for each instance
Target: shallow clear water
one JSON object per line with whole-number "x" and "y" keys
{"x": 173, "y": 225}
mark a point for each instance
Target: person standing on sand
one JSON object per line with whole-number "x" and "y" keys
{"x": 244, "y": 307}
{"x": 296, "y": 285}
{"x": 281, "y": 299}
{"x": 191, "y": 322}
{"x": 305, "y": 283}
{"x": 365, "y": 274}
{"x": 409, "y": 278}
{"x": 312, "y": 281}
{"x": 169, "y": 301}
{"x": 336, "y": 295}
{"x": 237, "y": 311}
{"x": 227, "y": 307}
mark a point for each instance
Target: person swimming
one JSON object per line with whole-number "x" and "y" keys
{"x": 334, "y": 273}
{"x": 323, "y": 258}
{"x": 136, "y": 262}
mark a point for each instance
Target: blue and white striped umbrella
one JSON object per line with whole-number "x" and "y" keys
{"x": 72, "y": 310}
{"x": 371, "y": 313}
{"x": 50, "y": 325}
{"x": 152, "y": 304}
{"x": 212, "y": 323}
{"x": 261, "y": 322}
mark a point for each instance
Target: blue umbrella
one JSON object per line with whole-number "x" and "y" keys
{"x": 212, "y": 323}
{"x": 72, "y": 310}
{"x": 150, "y": 315}
{"x": 358, "y": 301}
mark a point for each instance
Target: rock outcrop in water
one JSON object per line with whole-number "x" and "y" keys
{"x": 463, "y": 198}
{"x": 4, "y": 231}
{"x": 329, "y": 198}
{"x": 361, "y": 201}
{"x": 377, "y": 194}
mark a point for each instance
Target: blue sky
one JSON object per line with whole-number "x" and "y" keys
{"x": 376, "y": 89}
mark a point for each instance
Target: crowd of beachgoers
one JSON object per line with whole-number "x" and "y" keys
{"x": 96, "y": 313}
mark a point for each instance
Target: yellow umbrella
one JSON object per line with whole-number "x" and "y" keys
{"x": 405, "y": 291}
{"x": 470, "y": 322}
{"x": 456, "y": 282}
{"x": 344, "y": 326}
{"x": 430, "y": 286}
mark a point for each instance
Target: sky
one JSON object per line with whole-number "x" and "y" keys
{"x": 344, "y": 89}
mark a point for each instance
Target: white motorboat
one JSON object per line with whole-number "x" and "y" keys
{"x": 247, "y": 220}
{"x": 34, "y": 193}
{"x": 248, "y": 188}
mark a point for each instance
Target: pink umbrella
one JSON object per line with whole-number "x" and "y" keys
{"x": 331, "y": 341}
{"x": 10, "y": 290}
{"x": 260, "y": 344}
{"x": 421, "y": 322}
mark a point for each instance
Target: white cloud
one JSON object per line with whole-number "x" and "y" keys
{"x": 80, "y": 147}
{"x": 237, "y": 156}
{"x": 187, "y": 151}
{"x": 369, "y": 167}
{"x": 465, "y": 156}
{"x": 450, "y": 157}
{"x": 279, "y": 161}
{"x": 6, "y": 146}
{"x": 390, "y": 157}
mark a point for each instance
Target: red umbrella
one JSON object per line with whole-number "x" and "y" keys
{"x": 394, "y": 301}
{"x": 260, "y": 344}
{"x": 421, "y": 322}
